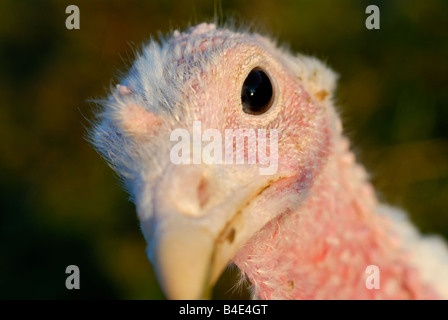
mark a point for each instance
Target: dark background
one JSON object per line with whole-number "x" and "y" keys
{"x": 61, "y": 204}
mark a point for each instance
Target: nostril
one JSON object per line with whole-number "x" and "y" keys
{"x": 203, "y": 192}
{"x": 192, "y": 190}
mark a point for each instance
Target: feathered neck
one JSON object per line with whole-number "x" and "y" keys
{"x": 322, "y": 249}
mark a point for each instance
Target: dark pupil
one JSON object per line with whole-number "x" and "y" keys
{"x": 256, "y": 94}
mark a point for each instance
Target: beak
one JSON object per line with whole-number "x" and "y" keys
{"x": 195, "y": 229}
{"x": 182, "y": 257}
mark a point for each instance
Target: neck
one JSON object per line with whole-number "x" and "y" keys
{"x": 322, "y": 249}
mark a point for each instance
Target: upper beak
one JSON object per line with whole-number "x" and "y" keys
{"x": 195, "y": 229}
{"x": 182, "y": 257}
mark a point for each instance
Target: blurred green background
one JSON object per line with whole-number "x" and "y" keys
{"x": 61, "y": 204}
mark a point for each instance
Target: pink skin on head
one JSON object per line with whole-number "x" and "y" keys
{"x": 299, "y": 119}
{"x": 307, "y": 232}
{"x": 138, "y": 122}
{"x": 315, "y": 251}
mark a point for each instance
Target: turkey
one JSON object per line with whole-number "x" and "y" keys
{"x": 232, "y": 150}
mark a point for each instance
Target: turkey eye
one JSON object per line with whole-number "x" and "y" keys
{"x": 256, "y": 95}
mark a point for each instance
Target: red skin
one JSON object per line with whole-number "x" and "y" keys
{"x": 328, "y": 243}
